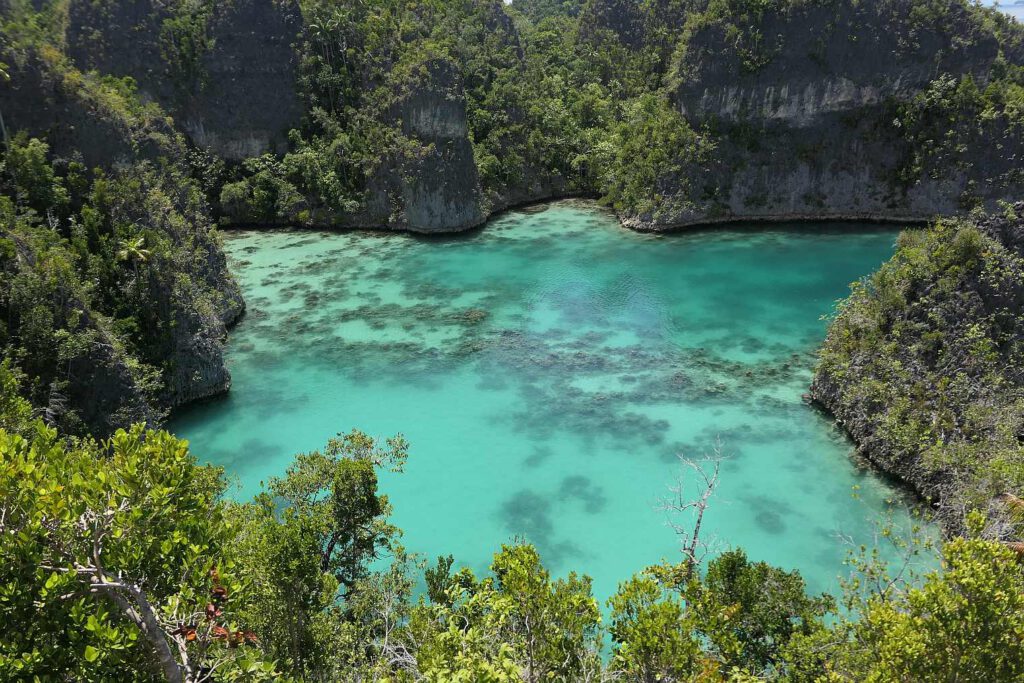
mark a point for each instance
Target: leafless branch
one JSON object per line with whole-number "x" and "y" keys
{"x": 693, "y": 547}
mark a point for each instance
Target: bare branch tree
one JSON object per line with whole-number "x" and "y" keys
{"x": 693, "y": 547}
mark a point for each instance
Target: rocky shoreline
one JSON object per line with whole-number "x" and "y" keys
{"x": 922, "y": 367}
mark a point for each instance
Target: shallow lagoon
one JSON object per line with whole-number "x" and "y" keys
{"x": 548, "y": 371}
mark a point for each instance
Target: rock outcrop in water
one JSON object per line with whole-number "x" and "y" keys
{"x": 923, "y": 365}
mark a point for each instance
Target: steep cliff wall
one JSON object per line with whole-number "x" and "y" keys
{"x": 191, "y": 296}
{"x": 429, "y": 182}
{"x": 923, "y": 365}
{"x": 75, "y": 115}
{"x": 805, "y": 107}
{"x": 226, "y": 71}
{"x": 798, "y": 65}
{"x": 248, "y": 97}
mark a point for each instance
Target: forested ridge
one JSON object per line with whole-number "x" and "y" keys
{"x": 132, "y": 131}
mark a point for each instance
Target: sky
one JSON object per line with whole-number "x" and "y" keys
{"x": 1011, "y": 7}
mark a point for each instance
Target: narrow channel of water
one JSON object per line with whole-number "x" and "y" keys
{"x": 548, "y": 371}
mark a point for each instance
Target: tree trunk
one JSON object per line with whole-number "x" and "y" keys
{"x": 141, "y": 614}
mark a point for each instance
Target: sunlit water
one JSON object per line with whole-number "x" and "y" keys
{"x": 548, "y": 372}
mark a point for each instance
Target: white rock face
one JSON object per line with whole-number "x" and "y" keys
{"x": 799, "y": 102}
{"x": 805, "y": 124}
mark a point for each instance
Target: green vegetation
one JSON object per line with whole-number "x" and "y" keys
{"x": 945, "y": 125}
{"x": 100, "y": 270}
{"x": 562, "y": 97}
{"x": 923, "y": 365}
{"x": 184, "y": 42}
{"x": 651, "y": 148}
{"x": 123, "y": 560}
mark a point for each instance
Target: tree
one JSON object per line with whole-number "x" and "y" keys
{"x": 293, "y": 606}
{"x": 748, "y": 611}
{"x": 134, "y": 251}
{"x": 35, "y": 183}
{"x": 518, "y": 624}
{"x": 336, "y": 489}
{"x": 653, "y": 634}
{"x": 963, "y": 623}
{"x": 554, "y": 621}
{"x": 310, "y": 540}
{"x": 115, "y": 558}
{"x": 692, "y": 546}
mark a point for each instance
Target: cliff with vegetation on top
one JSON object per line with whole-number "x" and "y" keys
{"x": 116, "y": 293}
{"x": 226, "y": 72}
{"x": 677, "y": 113}
{"x": 813, "y": 110}
{"x": 924, "y": 366}
{"x": 429, "y": 117}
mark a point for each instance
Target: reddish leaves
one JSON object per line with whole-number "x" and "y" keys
{"x": 234, "y": 638}
{"x": 189, "y": 631}
{"x": 213, "y": 612}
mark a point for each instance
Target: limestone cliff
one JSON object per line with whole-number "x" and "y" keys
{"x": 803, "y": 106}
{"x": 192, "y": 296}
{"x": 922, "y": 365}
{"x": 69, "y": 112}
{"x": 429, "y": 182}
{"x": 225, "y": 71}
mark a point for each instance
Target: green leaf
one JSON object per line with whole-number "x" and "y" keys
{"x": 91, "y": 653}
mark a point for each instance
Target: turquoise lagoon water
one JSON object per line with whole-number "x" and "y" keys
{"x": 548, "y": 371}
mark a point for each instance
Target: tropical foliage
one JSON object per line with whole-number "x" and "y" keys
{"x": 924, "y": 360}
{"x": 123, "y": 560}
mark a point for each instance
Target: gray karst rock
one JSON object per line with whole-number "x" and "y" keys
{"x": 79, "y": 126}
{"x": 225, "y": 71}
{"x": 431, "y": 185}
{"x": 44, "y": 104}
{"x": 802, "y": 113}
{"x": 930, "y": 338}
{"x": 248, "y": 100}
